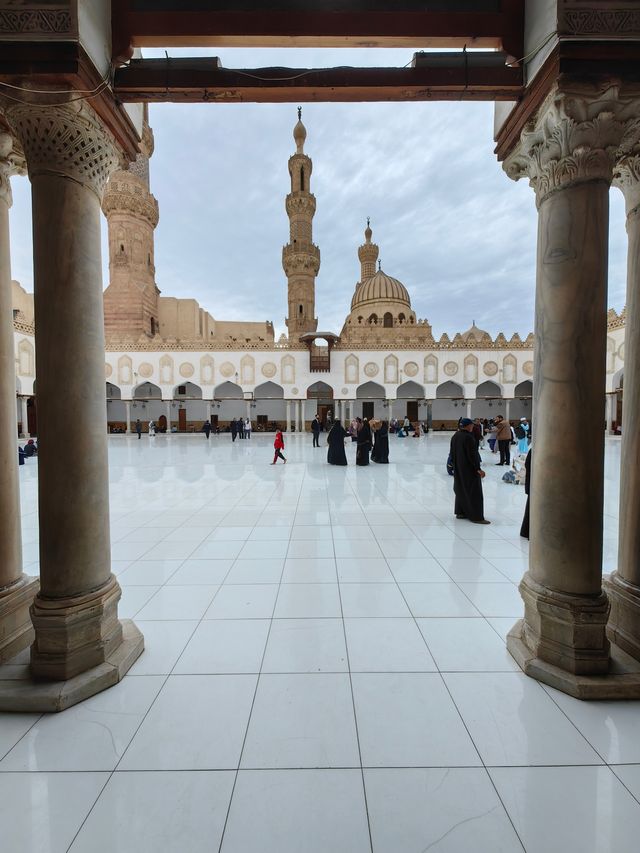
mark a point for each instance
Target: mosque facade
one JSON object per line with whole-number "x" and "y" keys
{"x": 169, "y": 360}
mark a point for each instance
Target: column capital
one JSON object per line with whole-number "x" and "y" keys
{"x": 578, "y": 135}
{"x": 12, "y": 162}
{"x": 67, "y": 140}
{"x": 627, "y": 178}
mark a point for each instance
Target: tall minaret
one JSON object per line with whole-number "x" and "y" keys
{"x": 131, "y": 299}
{"x": 368, "y": 254}
{"x": 300, "y": 258}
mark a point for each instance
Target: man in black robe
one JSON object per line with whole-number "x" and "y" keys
{"x": 380, "y": 452}
{"x": 335, "y": 440}
{"x": 467, "y": 474}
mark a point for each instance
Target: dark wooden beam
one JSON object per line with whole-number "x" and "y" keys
{"x": 338, "y": 23}
{"x": 474, "y": 76}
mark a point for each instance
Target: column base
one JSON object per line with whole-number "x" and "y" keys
{"x": 16, "y": 629}
{"x": 621, "y": 682}
{"x": 623, "y": 627}
{"x": 566, "y": 631}
{"x": 28, "y": 695}
{"x": 75, "y": 634}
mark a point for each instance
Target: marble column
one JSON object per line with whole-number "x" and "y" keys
{"x": 390, "y": 410}
{"x": 168, "y": 416}
{"x": 469, "y": 404}
{"x": 623, "y": 586}
{"x": 78, "y": 636}
{"x": 24, "y": 417}
{"x": 566, "y": 154}
{"x": 429, "y": 414}
{"x": 300, "y": 405}
{"x": 507, "y": 409}
{"x": 16, "y": 589}
{"x": 288, "y": 416}
{"x": 127, "y": 408}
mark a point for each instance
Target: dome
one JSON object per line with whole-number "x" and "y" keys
{"x": 475, "y": 334}
{"x": 381, "y": 288}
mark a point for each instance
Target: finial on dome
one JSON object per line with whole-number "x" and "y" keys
{"x": 299, "y": 133}
{"x": 379, "y": 265}
{"x": 368, "y": 232}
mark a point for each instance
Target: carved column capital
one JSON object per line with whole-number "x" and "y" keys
{"x": 11, "y": 163}
{"x": 576, "y": 136}
{"x": 627, "y": 178}
{"x": 67, "y": 140}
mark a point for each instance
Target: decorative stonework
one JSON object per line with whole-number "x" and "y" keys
{"x": 627, "y": 178}
{"x": 371, "y": 369}
{"x": 227, "y": 369}
{"x": 294, "y": 391}
{"x": 527, "y": 368}
{"x": 35, "y": 22}
{"x": 126, "y": 193}
{"x": 450, "y": 368}
{"x": 490, "y": 368}
{"x": 621, "y": 351}
{"x": 145, "y": 370}
{"x": 108, "y": 370}
{"x": 587, "y": 21}
{"x": 345, "y": 391}
{"x": 66, "y": 140}
{"x": 269, "y": 370}
{"x": 577, "y": 136}
{"x": 411, "y": 369}
{"x": 186, "y": 370}
{"x": 11, "y": 163}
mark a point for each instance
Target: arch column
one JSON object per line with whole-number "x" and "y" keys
{"x": 567, "y": 155}
{"x": 288, "y": 416}
{"x": 16, "y": 589}
{"x": 127, "y": 407}
{"x": 78, "y": 638}
{"x": 24, "y": 417}
{"x": 168, "y": 415}
{"x": 623, "y": 585}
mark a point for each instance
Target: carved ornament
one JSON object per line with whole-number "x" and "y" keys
{"x": 186, "y": 370}
{"x": 411, "y": 369}
{"x": 490, "y": 368}
{"x": 269, "y": 370}
{"x": 586, "y": 21}
{"x": 371, "y": 369}
{"x": 145, "y": 370}
{"x": 527, "y": 368}
{"x": 627, "y": 177}
{"x": 21, "y": 22}
{"x": 450, "y": 368}
{"x": 227, "y": 369}
{"x": 11, "y": 163}
{"x": 108, "y": 370}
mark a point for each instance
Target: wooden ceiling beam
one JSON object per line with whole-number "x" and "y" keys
{"x": 476, "y": 76}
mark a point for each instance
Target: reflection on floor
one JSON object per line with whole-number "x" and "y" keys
{"x": 325, "y": 671}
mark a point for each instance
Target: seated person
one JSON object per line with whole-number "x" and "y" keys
{"x": 21, "y": 456}
{"x": 30, "y": 448}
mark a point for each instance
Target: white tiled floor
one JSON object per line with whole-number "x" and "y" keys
{"x": 325, "y": 671}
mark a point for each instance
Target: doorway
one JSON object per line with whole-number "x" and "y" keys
{"x": 412, "y": 410}
{"x": 182, "y": 420}
{"x": 32, "y": 417}
{"x": 367, "y": 409}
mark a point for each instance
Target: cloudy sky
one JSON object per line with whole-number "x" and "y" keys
{"x": 450, "y": 225}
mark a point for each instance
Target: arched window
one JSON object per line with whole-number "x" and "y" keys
{"x": 401, "y": 318}
{"x": 387, "y": 320}
{"x": 153, "y": 327}
{"x": 300, "y": 310}
{"x": 373, "y": 320}
{"x": 302, "y": 178}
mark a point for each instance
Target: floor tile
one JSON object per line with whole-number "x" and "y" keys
{"x": 308, "y": 600}
{"x": 229, "y": 534}
{"x": 268, "y": 570}
{"x": 392, "y": 548}
{"x": 267, "y": 550}
{"x": 466, "y": 645}
{"x": 409, "y": 720}
{"x": 149, "y": 572}
{"x": 306, "y": 645}
{"x": 217, "y": 551}
{"x": 310, "y": 548}
{"x": 372, "y": 599}
{"x": 309, "y": 570}
{"x": 387, "y": 645}
{"x": 225, "y": 646}
{"x": 134, "y": 599}
{"x": 560, "y": 809}
{"x": 42, "y": 812}
{"x": 92, "y": 735}
{"x": 201, "y": 573}
{"x": 302, "y": 721}
{"x": 12, "y": 728}
{"x": 495, "y": 599}
{"x": 629, "y": 775}
{"x": 317, "y": 532}
{"x": 363, "y": 570}
{"x": 452, "y": 810}
{"x": 513, "y": 722}
{"x": 178, "y": 602}
{"x": 163, "y": 645}
{"x": 277, "y": 811}
{"x": 437, "y": 599}
{"x": 170, "y": 551}
{"x": 417, "y": 570}
{"x": 197, "y": 722}
{"x": 243, "y": 601}
{"x": 473, "y": 571}
{"x": 172, "y": 812}
{"x": 357, "y": 549}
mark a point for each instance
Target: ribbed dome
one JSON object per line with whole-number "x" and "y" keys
{"x": 475, "y": 334}
{"x": 381, "y": 288}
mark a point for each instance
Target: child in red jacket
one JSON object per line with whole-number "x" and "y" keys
{"x": 278, "y": 445}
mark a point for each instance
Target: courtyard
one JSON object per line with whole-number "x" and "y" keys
{"x": 325, "y": 670}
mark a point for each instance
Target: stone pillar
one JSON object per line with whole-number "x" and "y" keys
{"x": 168, "y": 416}
{"x": 78, "y": 637}
{"x": 249, "y": 409}
{"x": 24, "y": 417}
{"x": 127, "y": 406}
{"x": 623, "y": 586}
{"x": 390, "y": 409}
{"x": 567, "y": 154}
{"x": 507, "y": 409}
{"x": 16, "y": 589}
{"x": 469, "y": 402}
{"x": 288, "y": 416}
{"x": 300, "y": 426}
{"x": 209, "y": 402}
{"x": 429, "y": 414}
{"x": 611, "y": 411}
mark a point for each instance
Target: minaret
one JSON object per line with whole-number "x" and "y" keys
{"x": 300, "y": 258}
{"x": 131, "y": 299}
{"x": 368, "y": 254}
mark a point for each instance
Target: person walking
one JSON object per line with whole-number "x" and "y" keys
{"x": 522, "y": 436}
{"x": 234, "y": 429}
{"x": 152, "y": 428}
{"x": 335, "y": 440}
{"x": 206, "y": 427}
{"x": 467, "y": 474}
{"x": 240, "y": 428}
{"x": 524, "y": 530}
{"x": 504, "y": 438}
{"x": 278, "y": 445}
{"x": 139, "y": 428}
{"x": 364, "y": 443}
{"x": 380, "y": 452}
{"x": 247, "y": 428}
{"x": 315, "y": 429}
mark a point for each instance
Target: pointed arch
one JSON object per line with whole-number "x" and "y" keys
{"x": 207, "y": 366}
{"x": 247, "y": 370}
{"x": 125, "y": 370}
{"x": 147, "y": 391}
{"x": 113, "y": 392}
{"x": 288, "y": 369}
{"x": 509, "y": 369}
{"x": 166, "y": 370}
{"x": 391, "y": 370}
{"x": 187, "y": 391}
{"x": 26, "y": 357}
{"x": 470, "y": 369}
{"x": 449, "y": 390}
{"x": 489, "y": 390}
{"x": 228, "y": 391}
{"x": 431, "y": 369}
{"x": 524, "y": 389}
{"x": 370, "y": 391}
{"x": 351, "y": 370}
{"x": 410, "y": 391}
{"x": 268, "y": 391}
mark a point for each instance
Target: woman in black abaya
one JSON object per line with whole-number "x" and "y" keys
{"x": 335, "y": 440}
{"x": 380, "y": 452}
{"x": 364, "y": 444}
